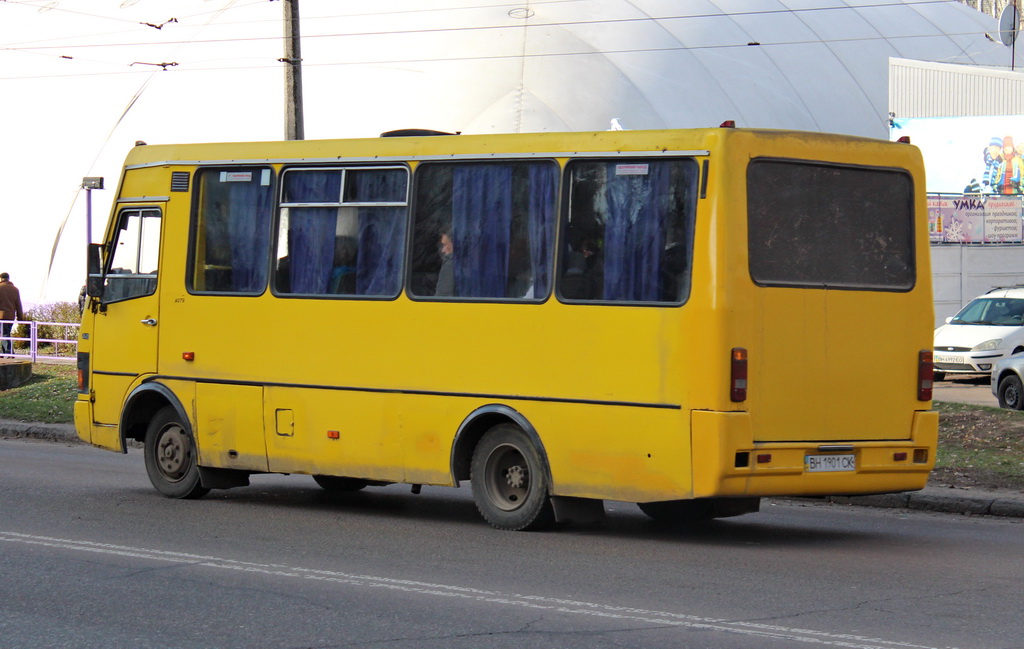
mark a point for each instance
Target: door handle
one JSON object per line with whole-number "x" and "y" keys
{"x": 149, "y": 321}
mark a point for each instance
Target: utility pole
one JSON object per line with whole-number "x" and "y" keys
{"x": 294, "y": 128}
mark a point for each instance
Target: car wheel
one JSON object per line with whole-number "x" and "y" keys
{"x": 1011, "y": 393}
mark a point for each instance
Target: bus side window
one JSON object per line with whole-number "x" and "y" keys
{"x": 136, "y": 251}
{"x": 342, "y": 231}
{"x": 629, "y": 232}
{"x": 231, "y": 230}
{"x": 484, "y": 230}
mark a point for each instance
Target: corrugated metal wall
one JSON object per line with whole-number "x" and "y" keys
{"x": 922, "y": 89}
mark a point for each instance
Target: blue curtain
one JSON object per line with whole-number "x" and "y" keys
{"x": 634, "y": 233}
{"x": 543, "y": 179}
{"x": 249, "y": 212}
{"x": 381, "y": 233}
{"x": 311, "y": 229}
{"x": 481, "y": 228}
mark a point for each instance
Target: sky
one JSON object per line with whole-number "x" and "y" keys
{"x": 79, "y": 90}
{"x": 83, "y": 80}
{"x": 81, "y": 83}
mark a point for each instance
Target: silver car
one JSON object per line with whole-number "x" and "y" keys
{"x": 1007, "y": 382}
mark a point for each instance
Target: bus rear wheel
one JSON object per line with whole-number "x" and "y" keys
{"x": 679, "y": 511}
{"x": 700, "y": 509}
{"x": 171, "y": 456}
{"x": 510, "y": 484}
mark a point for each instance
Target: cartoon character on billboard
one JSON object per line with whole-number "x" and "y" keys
{"x": 1008, "y": 175}
{"x": 993, "y": 155}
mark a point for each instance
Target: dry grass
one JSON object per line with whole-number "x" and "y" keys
{"x": 980, "y": 447}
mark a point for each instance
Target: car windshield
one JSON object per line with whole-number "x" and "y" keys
{"x": 1003, "y": 311}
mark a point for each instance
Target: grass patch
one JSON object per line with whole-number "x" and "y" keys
{"x": 979, "y": 447}
{"x": 47, "y": 397}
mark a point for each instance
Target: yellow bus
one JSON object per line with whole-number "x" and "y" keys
{"x": 672, "y": 318}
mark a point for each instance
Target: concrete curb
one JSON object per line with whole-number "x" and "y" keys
{"x": 34, "y": 430}
{"x": 933, "y": 499}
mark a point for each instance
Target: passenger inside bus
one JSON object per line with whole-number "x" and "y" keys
{"x": 446, "y": 274}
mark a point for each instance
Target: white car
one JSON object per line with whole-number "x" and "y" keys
{"x": 991, "y": 327}
{"x": 1007, "y": 384}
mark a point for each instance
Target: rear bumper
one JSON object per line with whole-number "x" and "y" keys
{"x": 729, "y": 463}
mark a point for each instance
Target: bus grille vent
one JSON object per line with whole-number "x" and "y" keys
{"x": 179, "y": 181}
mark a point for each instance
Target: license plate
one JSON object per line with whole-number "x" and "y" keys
{"x": 825, "y": 463}
{"x": 945, "y": 358}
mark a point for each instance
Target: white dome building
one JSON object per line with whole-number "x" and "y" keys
{"x": 820, "y": 65}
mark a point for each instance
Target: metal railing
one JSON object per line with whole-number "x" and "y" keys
{"x": 63, "y": 349}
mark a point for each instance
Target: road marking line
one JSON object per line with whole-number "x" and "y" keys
{"x": 571, "y": 607}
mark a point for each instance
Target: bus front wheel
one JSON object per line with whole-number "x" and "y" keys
{"x": 510, "y": 485}
{"x": 171, "y": 456}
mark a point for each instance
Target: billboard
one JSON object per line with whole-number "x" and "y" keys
{"x": 974, "y": 219}
{"x": 969, "y": 155}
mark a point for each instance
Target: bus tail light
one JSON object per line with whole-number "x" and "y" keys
{"x": 738, "y": 375}
{"x": 83, "y": 372}
{"x": 925, "y": 375}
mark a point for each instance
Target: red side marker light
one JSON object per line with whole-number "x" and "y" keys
{"x": 901, "y": 456}
{"x": 738, "y": 375}
{"x": 729, "y": 123}
{"x": 905, "y": 139}
{"x": 333, "y": 434}
{"x": 188, "y": 356}
{"x": 764, "y": 458}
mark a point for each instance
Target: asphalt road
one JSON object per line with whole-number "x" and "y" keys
{"x": 93, "y": 557}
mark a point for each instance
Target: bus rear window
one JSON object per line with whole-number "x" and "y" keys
{"x": 818, "y": 225}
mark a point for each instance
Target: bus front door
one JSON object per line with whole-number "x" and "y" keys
{"x": 127, "y": 322}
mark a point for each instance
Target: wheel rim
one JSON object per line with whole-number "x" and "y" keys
{"x": 1011, "y": 395}
{"x": 508, "y": 478}
{"x": 173, "y": 453}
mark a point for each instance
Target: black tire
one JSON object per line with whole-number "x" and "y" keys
{"x": 679, "y": 511}
{"x": 510, "y": 484}
{"x": 1011, "y": 393}
{"x": 338, "y": 484}
{"x": 171, "y": 456}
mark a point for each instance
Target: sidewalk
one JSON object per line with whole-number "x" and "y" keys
{"x": 934, "y": 499}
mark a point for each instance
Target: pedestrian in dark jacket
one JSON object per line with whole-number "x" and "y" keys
{"x": 10, "y": 309}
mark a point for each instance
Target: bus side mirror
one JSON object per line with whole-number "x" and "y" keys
{"x": 94, "y": 257}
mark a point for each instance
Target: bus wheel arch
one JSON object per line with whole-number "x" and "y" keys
{"x": 476, "y": 425}
{"x": 142, "y": 406}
